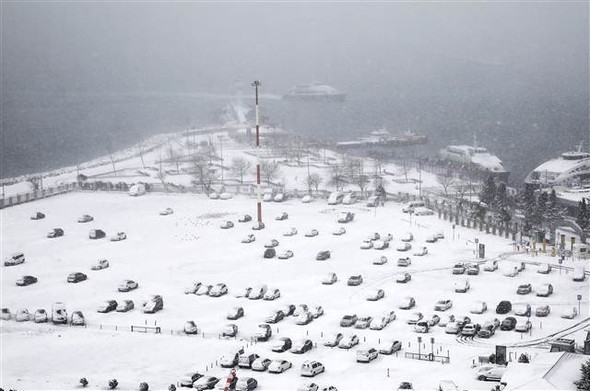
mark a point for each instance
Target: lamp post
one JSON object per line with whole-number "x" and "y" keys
{"x": 257, "y": 84}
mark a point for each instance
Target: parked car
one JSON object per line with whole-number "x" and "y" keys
{"x": 462, "y": 286}
{"x": 96, "y": 234}
{"x": 275, "y": 316}
{"x": 290, "y": 232}
{"x": 40, "y": 316}
{"x": 127, "y": 285}
{"x": 545, "y": 290}
{"x": 269, "y": 253}
{"x": 345, "y": 217}
{"x": 443, "y": 305}
{"x": 249, "y": 238}
{"x": 523, "y": 327}
{"x": 379, "y": 323}
{"x": 125, "y": 305}
{"x": 85, "y": 219}
{"x": 317, "y": 311}
{"x": 282, "y": 216}
{"x": 380, "y": 244}
{"x": 193, "y": 288}
{"x": 355, "y": 280}
{"x": 339, "y": 231}
{"x": 264, "y": 333}
{"x": 59, "y": 315}
{"x": 218, "y": 290}
{"x": 486, "y": 331}
{"x": 569, "y": 313}
{"x": 472, "y": 269}
{"x": 257, "y": 226}
{"x": 260, "y": 364}
{"x": 204, "y": 290}
{"x": 257, "y": 292}
{"x": 271, "y": 243}
{"x": 446, "y": 319}
{"x": 190, "y": 327}
{"x": 423, "y": 211}
{"x": 382, "y": 260}
{"x": 300, "y": 308}
{"x": 452, "y": 328}
{"x": 227, "y": 224}
{"x": 366, "y": 244}
{"x": 154, "y": 304}
{"x": 348, "y": 320}
{"x": 76, "y": 277}
{"x": 405, "y": 386}
{"x": 100, "y": 264}
{"x": 376, "y": 295}
{"x": 421, "y": 327}
{"x": 323, "y": 255}
{"x": 26, "y": 280}
{"x": 421, "y": 252}
{"x": 37, "y": 216}
{"x": 279, "y": 366}
{"x": 282, "y": 345}
{"x": 205, "y": 383}
{"x": 333, "y": 339}
{"x": 490, "y": 265}
{"x": 407, "y": 303}
{"x": 459, "y": 268}
{"x": 6, "y": 315}
{"x": 189, "y": 378}
{"x": 14, "y": 259}
{"x": 272, "y": 294}
{"x": 330, "y": 279}
{"x": 311, "y": 368}
{"x": 366, "y": 355}
{"x": 107, "y": 306}
{"x": 363, "y": 322}
{"x": 511, "y": 271}
{"x": 508, "y": 324}
{"x": 520, "y": 266}
{"x": 246, "y": 384}
{"x": 434, "y": 320}
{"x": 470, "y": 329}
{"x": 490, "y": 373}
{"x": 55, "y": 233}
{"x": 302, "y": 346}
{"x": 244, "y": 218}
{"x": 504, "y": 307}
{"x": 406, "y": 261}
{"x": 431, "y": 239}
{"x": 230, "y": 360}
{"x": 414, "y": 318}
{"x": 118, "y": 237}
{"x": 544, "y": 268}
{"x": 235, "y": 313}
{"x": 479, "y": 307}
{"x": 522, "y": 309}
{"x": 524, "y": 289}
{"x": 303, "y": 318}
{"x": 348, "y": 342}
{"x": 311, "y": 233}
{"x": 166, "y": 211}
{"x": 246, "y": 359}
{"x": 404, "y": 246}
{"x": 390, "y": 347}
{"x": 403, "y": 277}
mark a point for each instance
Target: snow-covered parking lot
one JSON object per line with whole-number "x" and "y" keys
{"x": 166, "y": 253}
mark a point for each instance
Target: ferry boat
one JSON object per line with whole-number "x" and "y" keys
{"x": 570, "y": 169}
{"x": 314, "y": 92}
{"x": 475, "y": 157}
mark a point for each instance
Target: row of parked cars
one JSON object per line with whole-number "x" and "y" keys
{"x": 58, "y": 315}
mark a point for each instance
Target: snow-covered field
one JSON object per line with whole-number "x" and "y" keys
{"x": 165, "y": 254}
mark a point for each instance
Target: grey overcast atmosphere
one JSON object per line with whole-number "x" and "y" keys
{"x": 82, "y": 78}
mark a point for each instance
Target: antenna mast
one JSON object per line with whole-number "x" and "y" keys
{"x": 256, "y": 84}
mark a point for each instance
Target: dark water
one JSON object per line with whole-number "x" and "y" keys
{"x": 524, "y": 128}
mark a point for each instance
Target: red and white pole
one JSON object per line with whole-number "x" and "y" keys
{"x": 256, "y": 84}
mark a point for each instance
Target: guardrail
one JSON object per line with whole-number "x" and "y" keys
{"x": 21, "y": 198}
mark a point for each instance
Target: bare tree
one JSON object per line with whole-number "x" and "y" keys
{"x": 445, "y": 181}
{"x": 296, "y": 148}
{"x": 362, "y": 181}
{"x": 313, "y": 180}
{"x": 336, "y": 177}
{"x": 203, "y": 174}
{"x": 239, "y": 166}
{"x": 173, "y": 155}
{"x": 269, "y": 171}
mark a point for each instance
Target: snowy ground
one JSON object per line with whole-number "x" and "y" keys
{"x": 166, "y": 253}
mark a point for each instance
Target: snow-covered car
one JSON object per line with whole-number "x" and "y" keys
{"x": 260, "y": 364}
{"x": 244, "y": 218}
{"x": 214, "y": 195}
{"x": 403, "y": 277}
{"x": 272, "y": 294}
{"x": 218, "y": 290}
{"x": 414, "y": 318}
{"x": 407, "y": 237}
{"x": 390, "y": 315}
{"x": 544, "y": 268}
{"x": 366, "y": 244}
{"x": 249, "y": 238}
{"x": 404, "y": 246}
{"x": 308, "y": 387}
{"x": 323, "y": 255}
{"x": 366, "y": 355}
{"x": 406, "y": 303}
{"x": 439, "y": 235}
{"x": 14, "y": 259}
{"x": 524, "y": 289}
{"x": 489, "y": 372}
{"x": 522, "y": 309}
{"x": 204, "y": 290}
{"x": 421, "y": 327}
{"x": 317, "y": 311}
{"x": 376, "y": 295}
{"x": 290, "y": 232}
{"x": 26, "y": 280}
{"x": 306, "y": 199}
{"x": 542, "y": 310}
{"x": 472, "y": 269}
{"x": 380, "y": 244}
{"x": 205, "y": 383}
{"x": 85, "y": 219}
{"x": 520, "y": 266}
{"x": 511, "y": 272}
{"x": 271, "y": 243}
{"x": 446, "y": 319}
{"x": 55, "y": 233}
{"x": 279, "y": 366}
{"x": 348, "y": 342}
{"x": 443, "y": 305}
{"x": 345, "y": 217}
{"x": 225, "y": 196}
{"x": 382, "y": 260}
{"x": 166, "y": 212}
{"x": 282, "y": 345}
{"x": 275, "y": 317}
{"x": 257, "y": 226}
{"x": 282, "y": 216}
{"x": 100, "y": 264}
{"x": 312, "y": 233}
{"x": 462, "y": 286}
{"x": 348, "y": 320}
{"x": 193, "y": 288}
{"x": 433, "y": 321}
{"x": 332, "y": 340}
{"x": 246, "y": 384}
{"x": 405, "y": 261}
{"x": 390, "y": 347}
{"x": 230, "y": 330}
{"x": 479, "y": 307}
{"x": 118, "y": 237}
{"x": 355, "y": 280}
{"x": 301, "y": 346}
{"x": 226, "y": 224}
{"x": 339, "y": 231}
{"x": 458, "y": 268}
{"x": 189, "y": 378}
{"x": 431, "y": 239}
{"x": 107, "y": 306}
{"x": 190, "y": 327}
{"x": 127, "y": 285}
{"x": 490, "y": 265}
{"x": 545, "y": 290}
{"x": 452, "y": 328}
{"x": 569, "y": 313}
{"x": 330, "y": 279}
{"x": 125, "y": 305}
{"x": 363, "y": 322}
{"x": 421, "y": 251}
{"x": 379, "y": 323}
{"x": 373, "y": 236}
{"x": 303, "y": 318}
{"x": 235, "y": 313}
{"x": 280, "y": 197}
{"x": 229, "y": 360}
{"x": 423, "y": 211}
{"x": 285, "y": 254}
{"x": 257, "y": 292}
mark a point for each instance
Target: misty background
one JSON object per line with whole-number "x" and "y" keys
{"x": 80, "y": 79}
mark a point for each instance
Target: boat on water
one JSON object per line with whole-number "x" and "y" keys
{"x": 571, "y": 168}
{"x": 314, "y": 92}
{"x": 475, "y": 157}
{"x": 383, "y": 138}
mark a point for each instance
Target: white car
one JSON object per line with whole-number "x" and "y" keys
{"x": 118, "y": 237}
{"x": 339, "y": 231}
{"x": 479, "y": 307}
{"x": 404, "y": 246}
{"x": 366, "y": 244}
{"x": 443, "y": 305}
{"x": 423, "y": 211}
{"x": 408, "y": 237}
{"x": 100, "y": 264}
{"x": 285, "y": 254}
{"x": 421, "y": 252}
{"x": 311, "y": 233}
{"x": 272, "y": 294}
{"x": 380, "y": 244}
{"x": 380, "y": 261}
{"x": 404, "y": 261}
{"x": 218, "y": 290}
{"x": 166, "y": 212}
{"x": 376, "y": 295}
{"x": 379, "y": 323}
{"x": 348, "y": 342}
{"x": 307, "y": 199}
{"x": 226, "y": 224}
{"x": 511, "y": 272}
{"x": 290, "y": 232}
{"x": 462, "y": 286}
{"x": 279, "y": 366}
{"x": 569, "y": 313}
{"x": 490, "y": 265}
{"x": 489, "y": 372}
{"x": 249, "y": 239}
{"x": 330, "y": 279}
{"x": 366, "y": 355}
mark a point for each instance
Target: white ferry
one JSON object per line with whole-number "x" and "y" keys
{"x": 570, "y": 169}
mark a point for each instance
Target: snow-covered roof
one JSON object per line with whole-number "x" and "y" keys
{"x": 477, "y": 155}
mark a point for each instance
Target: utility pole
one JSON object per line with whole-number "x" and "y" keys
{"x": 220, "y": 137}
{"x": 257, "y": 84}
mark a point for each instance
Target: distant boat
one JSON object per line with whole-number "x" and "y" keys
{"x": 314, "y": 92}
{"x": 475, "y": 157}
{"x": 383, "y": 138}
{"x": 571, "y": 168}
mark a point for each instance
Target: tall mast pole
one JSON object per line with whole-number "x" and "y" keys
{"x": 256, "y": 84}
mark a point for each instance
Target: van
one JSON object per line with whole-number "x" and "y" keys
{"x": 373, "y": 201}
{"x": 312, "y": 368}
{"x": 579, "y": 274}
{"x": 246, "y": 360}
{"x": 410, "y": 206}
{"x": 335, "y": 198}
{"x": 14, "y": 259}
{"x": 349, "y": 198}
{"x": 59, "y": 315}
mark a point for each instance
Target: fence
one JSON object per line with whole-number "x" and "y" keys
{"x": 36, "y": 195}
{"x": 427, "y": 357}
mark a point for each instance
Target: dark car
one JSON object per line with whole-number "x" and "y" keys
{"x": 289, "y": 309}
{"x": 524, "y": 289}
{"x": 26, "y": 280}
{"x": 275, "y": 317}
{"x": 37, "y": 216}
{"x": 355, "y": 280}
{"x": 56, "y": 232}
{"x": 235, "y": 313}
{"x": 108, "y": 306}
{"x": 270, "y": 253}
{"x": 323, "y": 255}
{"x": 76, "y": 277}
{"x": 282, "y": 345}
{"x": 486, "y": 332}
{"x": 348, "y": 320}
{"x": 504, "y": 307}
{"x": 508, "y": 324}
{"x": 302, "y": 346}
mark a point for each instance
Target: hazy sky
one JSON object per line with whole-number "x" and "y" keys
{"x": 195, "y": 46}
